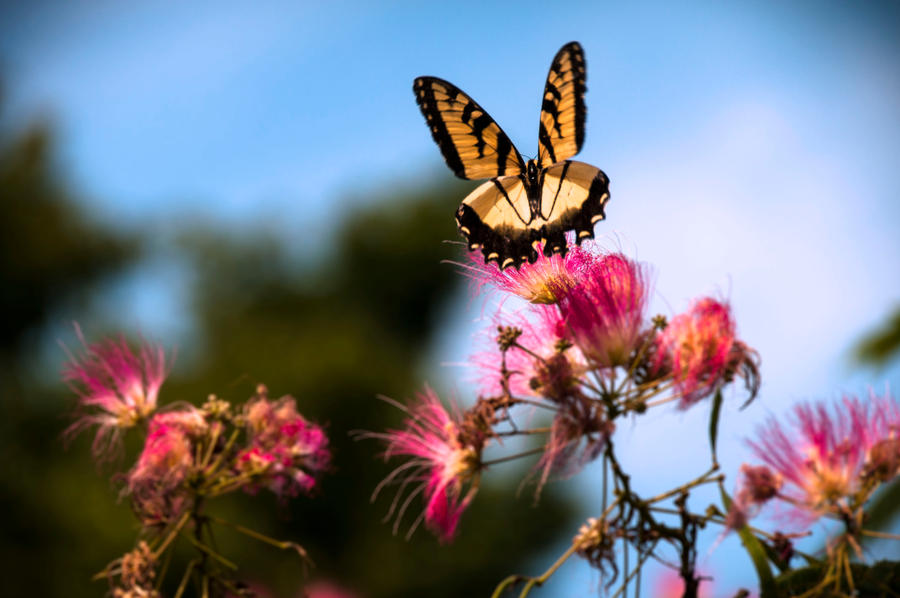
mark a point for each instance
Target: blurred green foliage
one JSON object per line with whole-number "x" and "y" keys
{"x": 878, "y": 580}
{"x": 334, "y": 335}
{"x": 882, "y": 344}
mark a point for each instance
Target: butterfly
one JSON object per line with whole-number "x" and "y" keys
{"x": 524, "y": 205}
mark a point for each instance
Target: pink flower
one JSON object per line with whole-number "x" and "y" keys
{"x": 167, "y": 459}
{"x": 546, "y": 375}
{"x": 702, "y": 352}
{"x": 285, "y": 450}
{"x": 544, "y": 282}
{"x": 578, "y": 435}
{"x": 605, "y": 310}
{"x": 117, "y": 388}
{"x": 327, "y": 589}
{"x": 669, "y": 584}
{"x": 445, "y": 456}
{"x": 824, "y": 456}
{"x": 757, "y": 485}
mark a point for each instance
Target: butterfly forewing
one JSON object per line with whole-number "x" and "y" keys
{"x": 473, "y": 145}
{"x": 561, "y": 131}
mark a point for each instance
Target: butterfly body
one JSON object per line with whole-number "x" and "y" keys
{"x": 523, "y": 204}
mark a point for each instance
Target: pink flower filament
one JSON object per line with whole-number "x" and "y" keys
{"x": 697, "y": 346}
{"x": 827, "y": 455}
{"x": 117, "y": 387}
{"x": 605, "y": 310}
{"x": 442, "y": 463}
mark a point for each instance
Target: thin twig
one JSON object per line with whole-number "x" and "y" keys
{"x": 282, "y": 544}
{"x": 209, "y": 551}
{"x": 184, "y": 578}
{"x": 533, "y": 451}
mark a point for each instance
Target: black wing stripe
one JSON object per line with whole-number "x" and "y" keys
{"x": 551, "y": 105}
{"x": 503, "y": 192}
{"x": 503, "y": 149}
{"x": 546, "y": 143}
{"x": 438, "y": 127}
{"x": 562, "y": 178}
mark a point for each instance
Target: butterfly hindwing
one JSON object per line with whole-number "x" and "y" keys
{"x": 473, "y": 145}
{"x": 497, "y": 219}
{"x": 563, "y": 112}
{"x": 573, "y": 196}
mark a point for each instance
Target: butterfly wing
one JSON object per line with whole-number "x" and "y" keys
{"x": 473, "y": 145}
{"x": 497, "y": 219}
{"x": 573, "y": 196}
{"x": 563, "y": 112}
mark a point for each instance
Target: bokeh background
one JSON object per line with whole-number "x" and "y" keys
{"x": 254, "y": 186}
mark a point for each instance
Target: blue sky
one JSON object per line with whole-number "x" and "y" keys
{"x": 753, "y": 149}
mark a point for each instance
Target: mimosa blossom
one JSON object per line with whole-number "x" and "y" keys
{"x": 117, "y": 388}
{"x": 757, "y": 485}
{"x": 446, "y": 456}
{"x": 604, "y": 312}
{"x": 544, "y": 282}
{"x": 578, "y": 435}
{"x": 826, "y": 454}
{"x": 701, "y": 350}
{"x": 286, "y": 452}
{"x": 167, "y": 459}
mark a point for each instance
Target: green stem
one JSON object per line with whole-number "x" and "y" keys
{"x": 172, "y": 534}
{"x": 539, "y": 581}
{"x": 509, "y": 581}
{"x": 282, "y": 544}
{"x": 184, "y": 578}
{"x": 637, "y": 569}
{"x": 210, "y": 552}
{"x": 221, "y": 456}
{"x": 163, "y": 570}
{"x": 875, "y": 534}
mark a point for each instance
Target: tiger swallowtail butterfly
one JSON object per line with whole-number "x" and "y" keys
{"x": 524, "y": 203}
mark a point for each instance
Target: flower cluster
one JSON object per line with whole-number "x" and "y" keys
{"x": 580, "y": 353}
{"x": 580, "y": 349}
{"x": 285, "y": 451}
{"x": 156, "y": 484}
{"x": 189, "y": 454}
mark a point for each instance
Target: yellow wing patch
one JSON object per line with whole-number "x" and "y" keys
{"x": 497, "y": 219}
{"x": 473, "y": 145}
{"x": 563, "y": 112}
{"x": 568, "y": 188}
